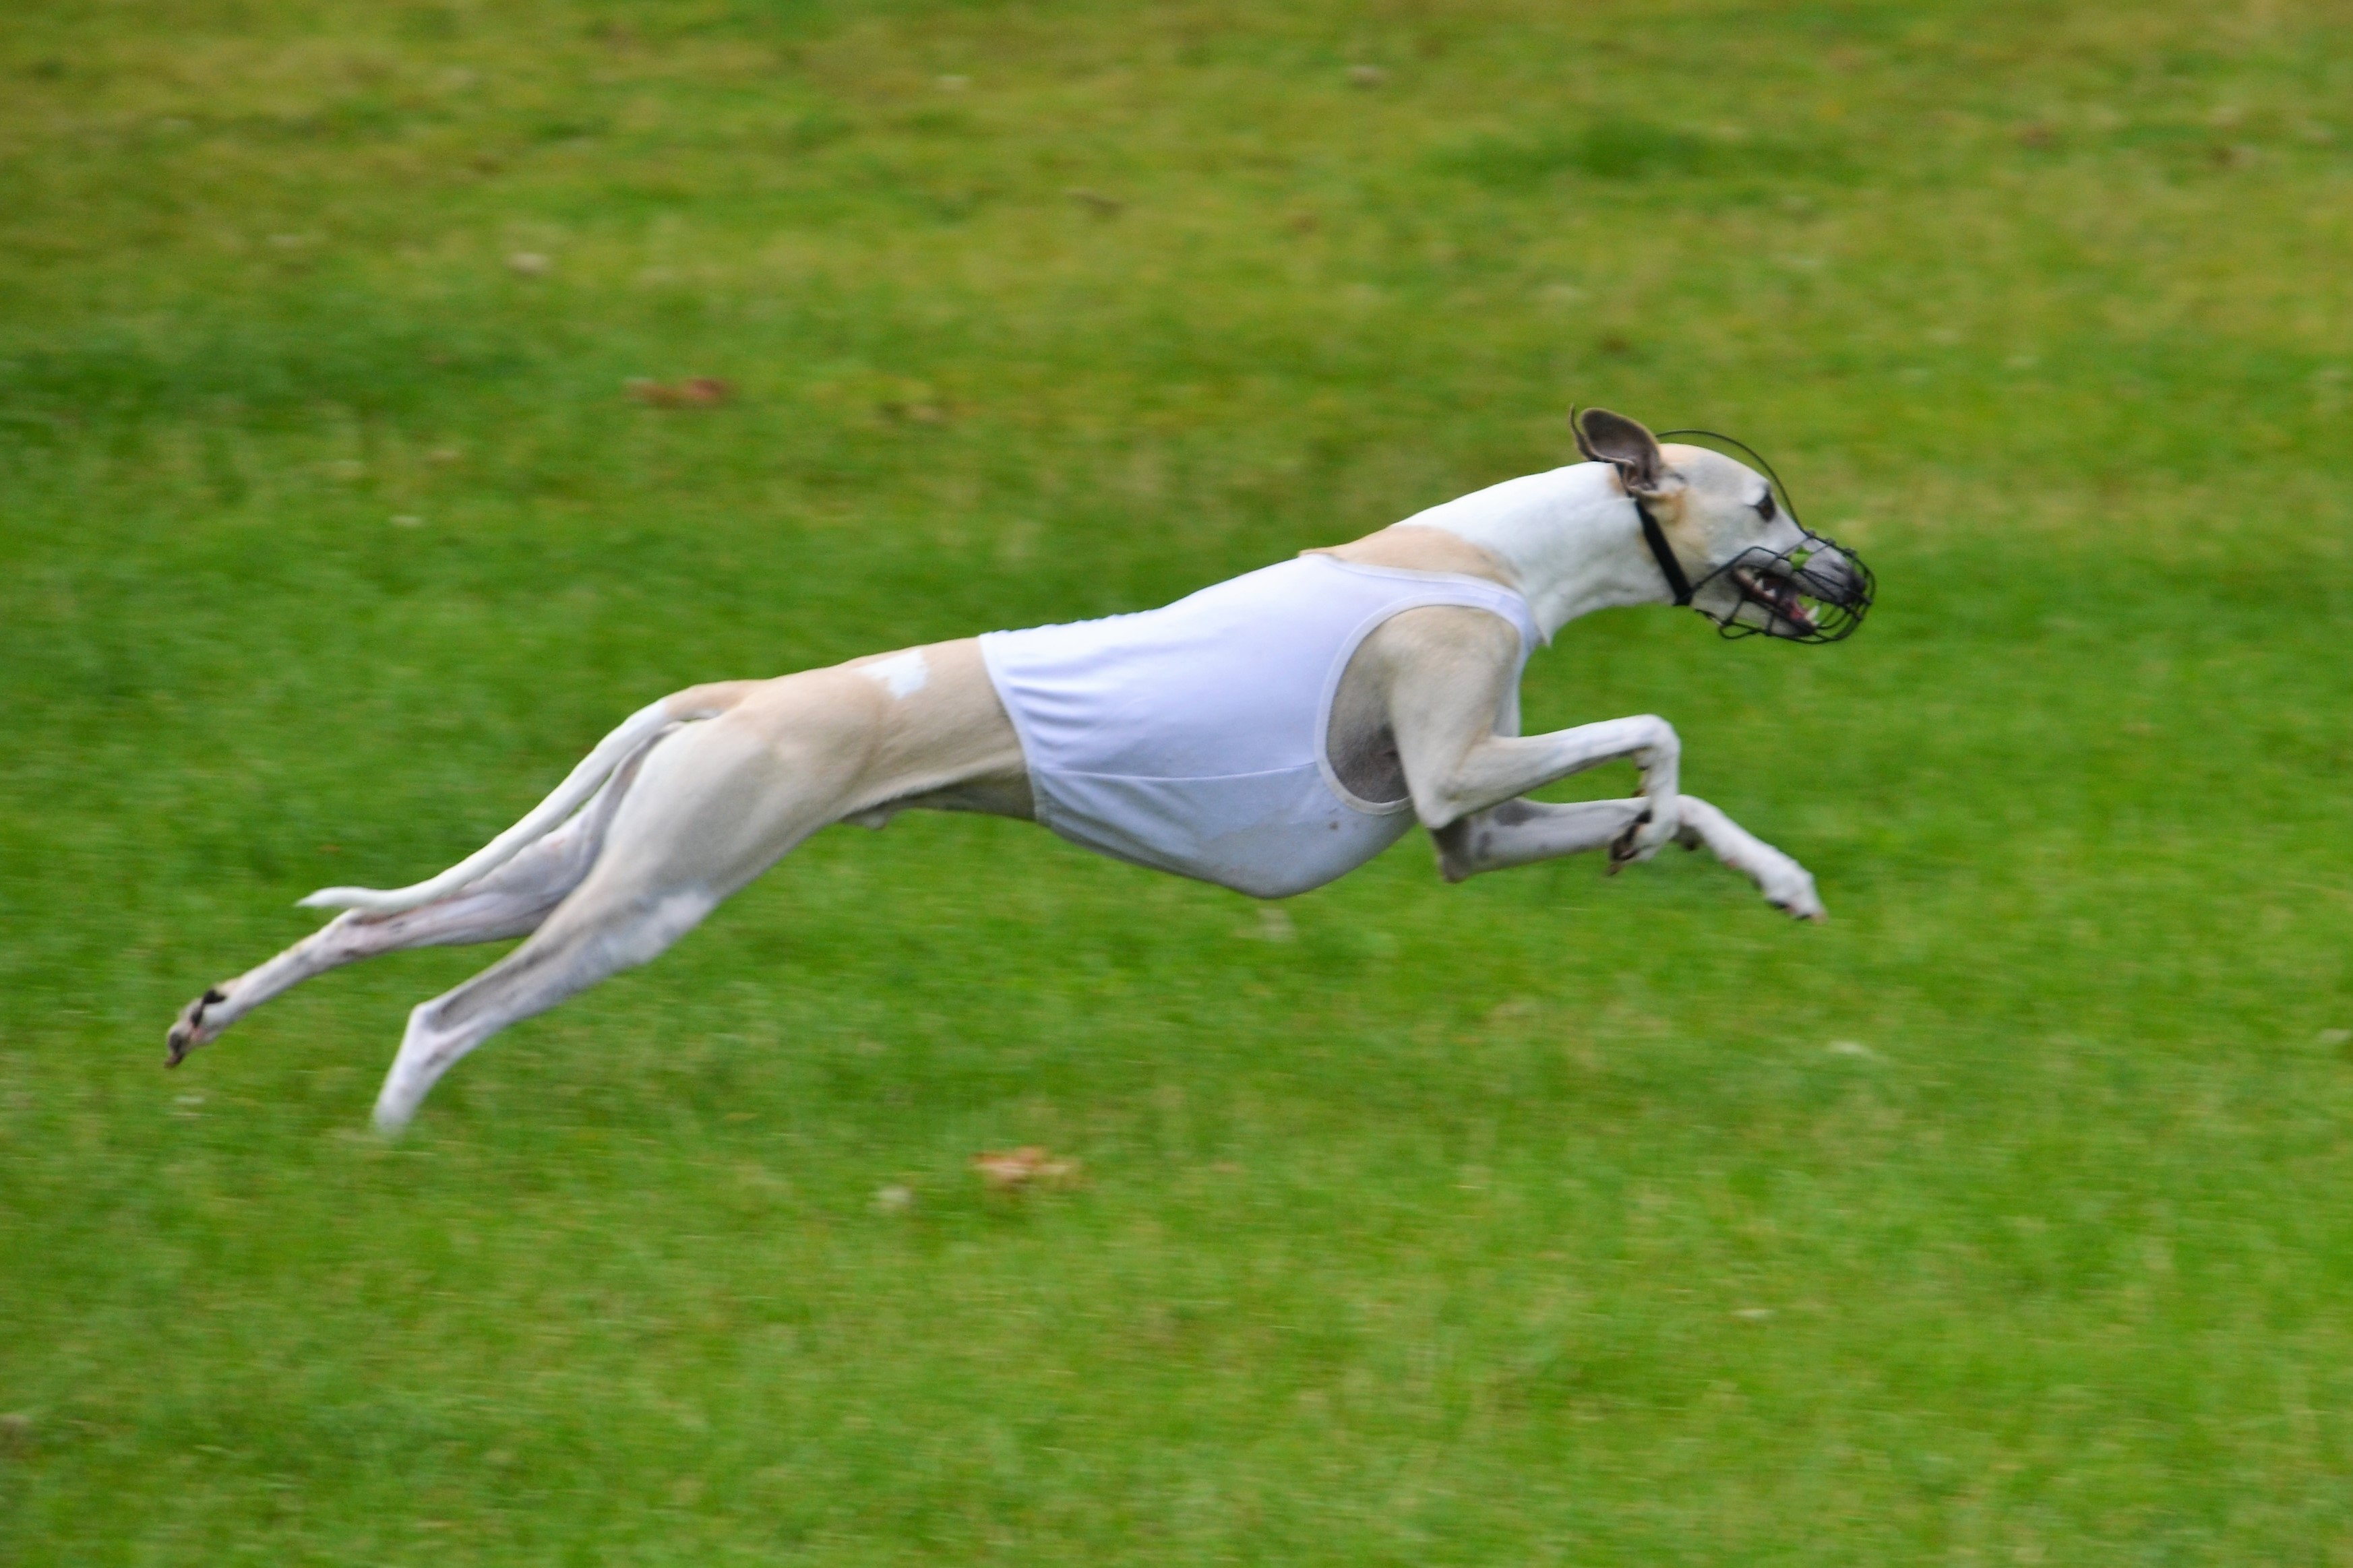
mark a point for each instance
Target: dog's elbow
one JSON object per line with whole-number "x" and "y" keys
{"x": 1457, "y": 855}
{"x": 1445, "y": 795}
{"x": 1438, "y": 809}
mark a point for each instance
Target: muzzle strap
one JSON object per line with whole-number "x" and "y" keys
{"x": 1656, "y": 538}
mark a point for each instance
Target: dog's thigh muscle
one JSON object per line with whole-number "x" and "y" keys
{"x": 710, "y": 812}
{"x": 713, "y": 807}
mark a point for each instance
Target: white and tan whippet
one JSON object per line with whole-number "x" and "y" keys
{"x": 692, "y": 797}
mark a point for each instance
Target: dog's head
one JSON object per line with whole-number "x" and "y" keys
{"x": 1724, "y": 537}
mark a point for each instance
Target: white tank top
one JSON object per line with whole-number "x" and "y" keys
{"x": 1192, "y": 738}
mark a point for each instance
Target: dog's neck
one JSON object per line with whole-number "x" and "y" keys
{"x": 1571, "y": 537}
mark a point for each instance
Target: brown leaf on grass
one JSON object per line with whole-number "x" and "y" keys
{"x": 695, "y": 392}
{"x": 1016, "y": 1170}
{"x": 1096, "y": 202}
{"x": 913, "y": 411}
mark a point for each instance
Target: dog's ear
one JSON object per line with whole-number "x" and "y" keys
{"x": 1612, "y": 439}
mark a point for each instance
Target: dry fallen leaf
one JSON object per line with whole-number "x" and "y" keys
{"x": 1013, "y": 1170}
{"x": 695, "y": 392}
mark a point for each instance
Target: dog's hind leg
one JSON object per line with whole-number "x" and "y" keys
{"x": 619, "y": 929}
{"x": 715, "y": 806}
{"x": 510, "y": 902}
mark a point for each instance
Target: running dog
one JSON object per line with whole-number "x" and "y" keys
{"x": 1268, "y": 734}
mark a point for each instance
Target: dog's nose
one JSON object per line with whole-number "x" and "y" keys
{"x": 1836, "y": 575}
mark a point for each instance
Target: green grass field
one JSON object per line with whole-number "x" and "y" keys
{"x": 1532, "y": 1221}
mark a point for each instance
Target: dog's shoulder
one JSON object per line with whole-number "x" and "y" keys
{"x": 1413, "y": 547}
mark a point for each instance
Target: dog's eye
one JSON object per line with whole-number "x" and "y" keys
{"x": 1765, "y": 508}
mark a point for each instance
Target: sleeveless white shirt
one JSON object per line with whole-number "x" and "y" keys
{"x": 1191, "y": 737}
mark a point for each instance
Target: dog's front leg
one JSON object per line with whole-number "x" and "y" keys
{"x": 1447, "y": 677}
{"x": 1523, "y": 832}
{"x": 1786, "y": 885}
{"x": 1494, "y": 769}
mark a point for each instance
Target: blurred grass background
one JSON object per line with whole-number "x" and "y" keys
{"x": 1536, "y": 1220}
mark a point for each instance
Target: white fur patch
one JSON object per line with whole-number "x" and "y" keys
{"x": 902, "y": 675}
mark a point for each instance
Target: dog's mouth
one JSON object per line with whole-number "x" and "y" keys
{"x": 1817, "y": 592}
{"x": 1778, "y": 596}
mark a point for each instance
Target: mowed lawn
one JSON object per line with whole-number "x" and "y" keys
{"x": 1549, "y": 1219}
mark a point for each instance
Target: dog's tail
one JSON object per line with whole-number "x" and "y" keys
{"x": 638, "y": 730}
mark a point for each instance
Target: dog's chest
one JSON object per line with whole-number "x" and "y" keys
{"x": 1193, "y": 737}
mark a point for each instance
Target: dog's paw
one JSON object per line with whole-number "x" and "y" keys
{"x": 1790, "y": 888}
{"x": 190, "y": 1029}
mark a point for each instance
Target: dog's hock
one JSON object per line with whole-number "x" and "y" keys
{"x": 640, "y": 728}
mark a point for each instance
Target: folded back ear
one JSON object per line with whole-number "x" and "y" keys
{"x": 1612, "y": 439}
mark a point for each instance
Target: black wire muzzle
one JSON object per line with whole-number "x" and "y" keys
{"x": 1799, "y": 599}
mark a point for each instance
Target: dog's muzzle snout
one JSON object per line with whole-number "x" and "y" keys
{"x": 1816, "y": 592}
